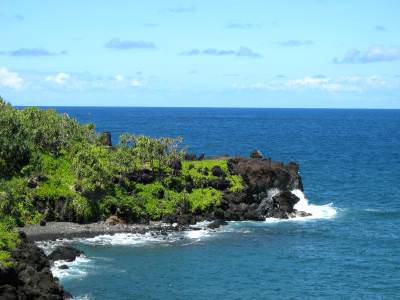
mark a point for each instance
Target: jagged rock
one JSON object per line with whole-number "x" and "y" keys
{"x": 285, "y": 201}
{"x": 67, "y": 253}
{"x": 189, "y": 156}
{"x": 263, "y": 175}
{"x": 217, "y": 171}
{"x": 262, "y": 178}
{"x": 219, "y": 184}
{"x": 8, "y": 292}
{"x": 30, "y": 277}
{"x": 114, "y": 220}
{"x": 216, "y": 224}
{"x": 302, "y": 214}
{"x": 256, "y": 154}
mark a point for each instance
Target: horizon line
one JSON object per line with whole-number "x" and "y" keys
{"x": 211, "y": 107}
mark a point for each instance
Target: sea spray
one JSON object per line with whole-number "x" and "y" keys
{"x": 76, "y": 269}
{"x": 325, "y": 211}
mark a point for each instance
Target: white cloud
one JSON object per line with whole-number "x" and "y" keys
{"x": 119, "y": 77}
{"x": 373, "y": 54}
{"x": 352, "y": 83}
{"x": 60, "y": 78}
{"x": 136, "y": 83}
{"x": 10, "y": 79}
{"x": 308, "y": 82}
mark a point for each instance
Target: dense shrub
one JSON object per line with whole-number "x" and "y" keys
{"x": 15, "y": 150}
{"x": 8, "y": 241}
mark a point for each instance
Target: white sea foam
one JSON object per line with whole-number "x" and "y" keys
{"x": 128, "y": 239}
{"x": 83, "y": 297}
{"x": 326, "y": 211}
{"x": 77, "y": 268}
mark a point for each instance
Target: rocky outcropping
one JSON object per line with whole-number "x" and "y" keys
{"x": 30, "y": 276}
{"x": 66, "y": 253}
{"x": 267, "y": 191}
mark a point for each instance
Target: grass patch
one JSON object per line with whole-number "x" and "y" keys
{"x": 202, "y": 199}
{"x": 200, "y": 172}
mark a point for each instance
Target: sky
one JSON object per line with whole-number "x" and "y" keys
{"x": 208, "y": 53}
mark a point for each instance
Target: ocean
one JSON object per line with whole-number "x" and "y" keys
{"x": 350, "y": 248}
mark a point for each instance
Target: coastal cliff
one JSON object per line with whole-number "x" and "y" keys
{"x": 53, "y": 170}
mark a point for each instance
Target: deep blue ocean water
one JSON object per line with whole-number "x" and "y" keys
{"x": 350, "y": 158}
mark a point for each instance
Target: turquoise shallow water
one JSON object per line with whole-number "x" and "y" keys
{"x": 349, "y": 158}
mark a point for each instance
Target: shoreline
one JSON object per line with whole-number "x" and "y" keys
{"x": 68, "y": 230}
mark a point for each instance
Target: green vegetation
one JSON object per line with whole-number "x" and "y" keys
{"x": 8, "y": 242}
{"x": 53, "y": 168}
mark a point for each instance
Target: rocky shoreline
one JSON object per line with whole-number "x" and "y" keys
{"x": 68, "y": 230}
{"x": 30, "y": 276}
{"x": 267, "y": 193}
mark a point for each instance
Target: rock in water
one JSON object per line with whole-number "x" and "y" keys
{"x": 285, "y": 201}
{"x": 216, "y": 224}
{"x": 63, "y": 267}
{"x": 67, "y": 253}
{"x": 260, "y": 178}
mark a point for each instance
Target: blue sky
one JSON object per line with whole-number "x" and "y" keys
{"x": 306, "y": 53}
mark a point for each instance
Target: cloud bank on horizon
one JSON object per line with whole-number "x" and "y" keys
{"x": 201, "y": 53}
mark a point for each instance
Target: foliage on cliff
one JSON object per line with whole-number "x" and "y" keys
{"x": 53, "y": 168}
{"x": 8, "y": 241}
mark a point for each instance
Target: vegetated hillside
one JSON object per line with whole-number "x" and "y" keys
{"x": 53, "y": 168}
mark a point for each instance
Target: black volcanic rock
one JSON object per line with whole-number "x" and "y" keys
{"x": 262, "y": 175}
{"x": 30, "y": 277}
{"x": 217, "y": 171}
{"x": 285, "y": 201}
{"x": 216, "y": 224}
{"x": 67, "y": 253}
{"x": 256, "y": 154}
{"x": 266, "y": 193}
{"x": 219, "y": 184}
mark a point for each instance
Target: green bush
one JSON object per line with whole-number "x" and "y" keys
{"x": 16, "y": 202}
{"x": 15, "y": 150}
{"x": 92, "y": 169}
{"x": 84, "y": 209}
{"x": 8, "y": 241}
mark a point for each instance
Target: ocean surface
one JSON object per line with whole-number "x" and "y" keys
{"x": 349, "y": 249}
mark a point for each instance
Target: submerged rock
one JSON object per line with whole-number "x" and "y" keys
{"x": 67, "y": 253}
{"x": 63, "y": 267}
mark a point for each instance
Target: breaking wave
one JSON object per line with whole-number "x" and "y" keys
{"x": 325, "y": 211}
